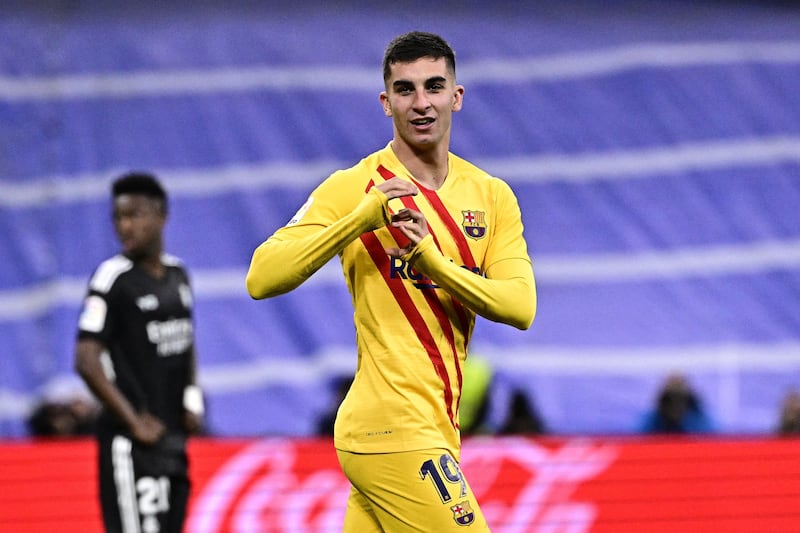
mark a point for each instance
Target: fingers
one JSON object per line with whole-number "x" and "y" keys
{"x": 148, "y": 429}
{"x": 410, "y": 219}
{"x": 412, "y": 224}
{"x": 397, "y": 188}
{"x": 192, "y": 423}
{"x": 408, "y": 215}
{"x": 405, "y": 214}
{"x": 396, "y": 252}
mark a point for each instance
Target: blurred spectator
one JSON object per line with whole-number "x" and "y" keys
{"x": 678, "y": 410}
{"x": 523, "y": 418}
{"x": 325, "y": 422}
{"x": 63, "y": 418}
{"x": 477, "y": 376}
{"x": 790, "y": 414}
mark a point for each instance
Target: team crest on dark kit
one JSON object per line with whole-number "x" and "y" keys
{"x": 474, "y": 224}
{"x": 463, "y": 513}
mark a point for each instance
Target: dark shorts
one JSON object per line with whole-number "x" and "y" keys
{"x": 143, "y": 488}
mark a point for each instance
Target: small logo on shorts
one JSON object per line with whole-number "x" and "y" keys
{"x": 463, "y": 514}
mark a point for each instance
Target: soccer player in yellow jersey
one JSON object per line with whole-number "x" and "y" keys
{"x": 427, "y": 241}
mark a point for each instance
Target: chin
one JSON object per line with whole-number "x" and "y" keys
{"x": 424, "y": 142}
{"x": 132, "y": 253}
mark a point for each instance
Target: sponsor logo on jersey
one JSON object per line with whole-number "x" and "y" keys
{"x": 148, "y": 302}
{"x": 463, "y": 513}
{"x": 399, "y": 268}
{"x": 474, "y": 224}
{"x": 171, "y": 336}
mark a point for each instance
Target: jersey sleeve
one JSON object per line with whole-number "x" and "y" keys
{"x": 507, "y": 293}
{"x": 335, "y": 214}
{"x": 96, "y": 317}
{"x": 508, "y": 297}
{"x": 101, "y": 303}
{"x": 507, "y": 241}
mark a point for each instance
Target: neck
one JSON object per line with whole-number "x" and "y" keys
{"x": 150, "y": 263}
{"x": 428, "y": 167}
{"x": 154, "y": 266}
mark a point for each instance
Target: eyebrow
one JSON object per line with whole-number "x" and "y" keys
{"x": 434, "y": 79}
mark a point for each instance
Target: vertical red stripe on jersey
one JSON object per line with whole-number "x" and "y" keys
{"x": 376, "y": 251}
{"x": 385, "y": 173}
{"x": 447, "y": 330}
{"x": 466, "y": 258}
{"x": 408, "y": 202}
{"x": 459, "y": 309}
{"x": 402, "y": 240}
{"x": 463, "y": 249}
{"x": 444, "y": 216}
{"x": 450, "y": 224}
{"x": 461, "y": 244}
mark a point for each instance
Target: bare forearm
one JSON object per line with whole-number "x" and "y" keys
{"x": 89, "y": 368}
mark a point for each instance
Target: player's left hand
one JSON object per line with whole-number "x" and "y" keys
{"x": 413, "y": 225}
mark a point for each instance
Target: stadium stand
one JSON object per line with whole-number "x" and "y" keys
{"x": 654, "y": 146}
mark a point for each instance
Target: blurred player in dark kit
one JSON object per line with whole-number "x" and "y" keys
{"x": 136, "y": 352}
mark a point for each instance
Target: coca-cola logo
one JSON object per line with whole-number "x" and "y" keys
{"x": 525, "y": 486}
{"x": 286, "y": 486}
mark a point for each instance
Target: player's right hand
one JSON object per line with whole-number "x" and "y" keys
{"x": 192, "y": 422}
{"x": 147, "y": 429}
{"x": 397, "y": 187}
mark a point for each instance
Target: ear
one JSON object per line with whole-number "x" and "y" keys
{"x": 387, "y": 107}
{"x": 458, "y": 98}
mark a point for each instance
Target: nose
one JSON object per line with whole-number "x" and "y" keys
{"x": 421, "y": 102}
{"x": 123, "y": 224}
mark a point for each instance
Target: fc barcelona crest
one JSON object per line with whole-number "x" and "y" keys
{"x": 463, "y": 513}
{"x": 474, "y": 224}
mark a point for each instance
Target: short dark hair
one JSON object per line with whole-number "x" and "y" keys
{"x": 140, "y": 183}
{"x": 415, "y": 45}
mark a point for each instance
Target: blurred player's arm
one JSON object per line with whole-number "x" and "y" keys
{"x": 144, "y": 427}
{"x": 193, "y": 403}
{"x": 294, "y": 253}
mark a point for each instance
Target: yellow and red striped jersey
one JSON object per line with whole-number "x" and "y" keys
{"x": 413, "y": 316}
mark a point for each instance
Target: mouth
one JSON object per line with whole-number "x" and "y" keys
{"x": 422, "y": 122}
{"x": 127, "y": 242}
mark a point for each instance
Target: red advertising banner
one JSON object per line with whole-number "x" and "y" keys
{"x": 524, "y": 485}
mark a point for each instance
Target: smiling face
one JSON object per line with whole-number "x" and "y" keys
{"x": 421, "y": 97}
{"x": 139, "y": 222}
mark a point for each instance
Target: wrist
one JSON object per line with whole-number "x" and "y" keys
{"x": 193, "y": 400}
{"x": 376, "y": 203}
{"x": 415, "y": 254}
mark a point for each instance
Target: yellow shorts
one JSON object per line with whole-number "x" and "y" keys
{"x": 417, "y": 491}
